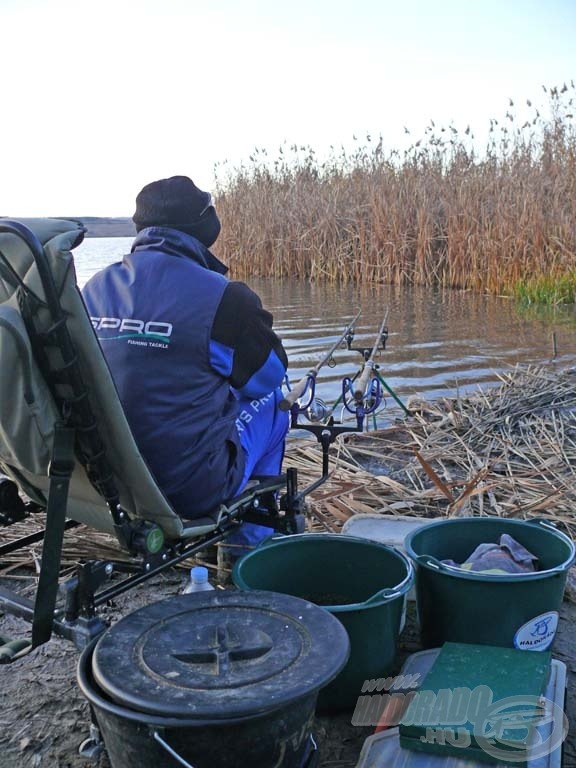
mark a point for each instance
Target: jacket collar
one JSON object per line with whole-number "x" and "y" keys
{"x": 179, "y": 244}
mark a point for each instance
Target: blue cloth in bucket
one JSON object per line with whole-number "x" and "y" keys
{"x": 507, "y": 556}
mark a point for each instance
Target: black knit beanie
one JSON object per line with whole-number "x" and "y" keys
{"x": 178, "y": 203}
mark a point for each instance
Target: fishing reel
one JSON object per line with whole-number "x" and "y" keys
{"x": 362, "y": 399}
{"x": 318, "y": 413}
{"x": 363, "y": 394}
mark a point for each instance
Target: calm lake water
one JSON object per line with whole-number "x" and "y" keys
{"x": 439, "y": 343}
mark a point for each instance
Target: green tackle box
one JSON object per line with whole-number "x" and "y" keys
{"x": 480, "y": 702}
{"x": 383, "y": 750}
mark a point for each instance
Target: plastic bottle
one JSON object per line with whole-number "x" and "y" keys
{"x": 198, "y": 580}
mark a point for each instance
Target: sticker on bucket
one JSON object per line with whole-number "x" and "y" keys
{"x": 538, "y": 633}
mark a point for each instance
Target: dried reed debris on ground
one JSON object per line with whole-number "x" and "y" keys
{"x": 508, "y": 451}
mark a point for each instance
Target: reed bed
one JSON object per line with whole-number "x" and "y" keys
{"x": 441, "y": 213}
{"x": 509, "y": 451}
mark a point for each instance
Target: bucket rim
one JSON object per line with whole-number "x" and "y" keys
{"x": 430, "y": 562}
{"x": 426, "y": 561}
{"x": 377, "y": 600}
{"x": 335, "y": 537}
{"x": 97, "y": 699}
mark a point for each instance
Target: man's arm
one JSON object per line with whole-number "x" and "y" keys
{"x": 243, "y": 346}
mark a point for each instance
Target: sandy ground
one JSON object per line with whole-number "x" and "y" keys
{"x": 44, "y": 717}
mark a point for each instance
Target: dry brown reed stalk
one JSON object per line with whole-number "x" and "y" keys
{"x": 440, "y": 214}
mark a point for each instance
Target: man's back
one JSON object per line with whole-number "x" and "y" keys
{"x": 153, "y": 314}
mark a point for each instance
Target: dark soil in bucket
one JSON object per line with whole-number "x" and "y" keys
{"x": 44, "y": 717}
{"x": 327, "y": 598}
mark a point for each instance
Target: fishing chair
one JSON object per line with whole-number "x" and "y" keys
{"x": 65, "y": 445}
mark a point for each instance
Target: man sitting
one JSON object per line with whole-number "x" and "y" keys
{"x": 196, "y": 363}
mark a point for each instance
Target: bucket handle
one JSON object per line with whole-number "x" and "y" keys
{"x": 270, "y": 540}
{"x": 432, "y": 562}
{"x": 171, "y": 752}
{"x": 391, "y": 593}
{"x": 438, "y": 565}
{"x": 543, "y": 522}
{"x": 382, "y": 596}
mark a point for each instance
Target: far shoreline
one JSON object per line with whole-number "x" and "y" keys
{"x": 107, "y": 227}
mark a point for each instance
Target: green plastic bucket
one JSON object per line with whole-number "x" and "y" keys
{"x": 363, "y": 583}
{"x": 513, "y": 610}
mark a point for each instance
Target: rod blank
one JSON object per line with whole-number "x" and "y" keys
{"x": 362, "y": 381}
{"x": 300, "y": 387}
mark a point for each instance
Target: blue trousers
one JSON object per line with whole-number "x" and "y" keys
{"x": 262, "y": 428}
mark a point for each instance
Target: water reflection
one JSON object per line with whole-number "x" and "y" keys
{"x": 440, "y": 342}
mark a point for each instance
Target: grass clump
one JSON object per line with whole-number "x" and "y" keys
{"x": 547, "y": 290}
{"x": 439, "y": 214}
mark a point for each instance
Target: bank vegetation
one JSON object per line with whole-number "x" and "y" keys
{"x": 441, "y": 213}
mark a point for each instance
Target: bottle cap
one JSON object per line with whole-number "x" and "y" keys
{"x": 199, "y": 574}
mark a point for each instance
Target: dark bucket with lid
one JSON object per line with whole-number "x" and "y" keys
{"x": 212, "y": 680}
{"x": 517, "y": 610}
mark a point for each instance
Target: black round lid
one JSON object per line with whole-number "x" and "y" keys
{"x": 219, "y": 655}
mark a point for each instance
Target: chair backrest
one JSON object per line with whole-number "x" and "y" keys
{"x": 33, "y": 393}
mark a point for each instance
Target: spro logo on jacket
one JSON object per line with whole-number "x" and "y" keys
{"x": 140, "y": 333}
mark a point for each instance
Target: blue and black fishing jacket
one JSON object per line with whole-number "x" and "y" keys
{"x": 183, "y": 343}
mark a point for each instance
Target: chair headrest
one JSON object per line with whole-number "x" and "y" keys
{"x": 46, "y": 229}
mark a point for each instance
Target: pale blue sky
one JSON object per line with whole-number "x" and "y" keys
{"x": 101, "y": 98}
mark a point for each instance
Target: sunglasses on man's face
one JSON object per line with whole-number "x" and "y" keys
{"x": 210, "y": 204}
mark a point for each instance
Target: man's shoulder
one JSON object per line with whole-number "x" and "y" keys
{"x": 240, "y": 292}
{"x": 99, "y": 277}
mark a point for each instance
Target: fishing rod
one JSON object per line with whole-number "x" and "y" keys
{"x": 308, "y": 381}
{"x": 317, "y": 411}
{"x": 367, "y": 401}
{"x": 365, "y": 352}
{"x": 362, "y": 395}
{"x": 360, "y": 388}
